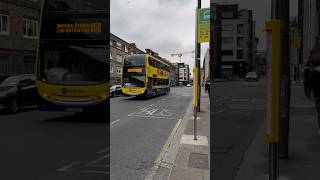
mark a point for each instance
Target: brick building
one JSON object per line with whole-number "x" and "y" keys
{"x": 18, "y": 35}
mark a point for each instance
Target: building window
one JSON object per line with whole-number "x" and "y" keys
{"x": 30, "y": 28}
{"x": 239, "y": 54}
{"x": 227, "y": 53}
{"x": 119, "y": 58}
{"x": 111, "y": 69}
{"x": 111, "y": 56}
{"x": 4, "y": 24}
{"x": 119, "y": 46}
{"x": 119, "y": 71}
{"x": 227, "y": 15}
{"x": 240, "y": 41}
{"x": 126, "y": 49}
{"x": 227, "y": 27}
{"x": 227, "y": 40}
{"x": 28, "y": 63}
{"x": 4, "y": 64}
{"x": 240, "y": 28}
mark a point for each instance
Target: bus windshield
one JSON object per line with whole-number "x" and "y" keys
{"x": 134, "y": 74}
{"x": 73, "y": 64}
{"x": 135, "y": 60}
{"x": 134, "y": 81}
{"x": 76, "y": 5}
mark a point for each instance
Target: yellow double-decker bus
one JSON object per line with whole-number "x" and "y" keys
{"x": 145, "y": 75}
{"x": 72, "y": 56}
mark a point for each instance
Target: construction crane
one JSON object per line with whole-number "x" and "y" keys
{"x": 182, "y": 53}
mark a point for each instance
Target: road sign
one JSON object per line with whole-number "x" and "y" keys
{"x": 203, "y": 25}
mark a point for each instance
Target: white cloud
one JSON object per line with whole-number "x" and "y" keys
{"x": 166, "y": 26}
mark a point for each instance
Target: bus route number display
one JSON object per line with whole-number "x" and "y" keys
{"x": 79, "y": 28}
{"x": 135, "y": 70}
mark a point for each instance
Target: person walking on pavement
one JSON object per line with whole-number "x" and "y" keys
{"x": 315, "y": 85}
{"x": 306, "y": 83}
{"x": 208, "y": 86}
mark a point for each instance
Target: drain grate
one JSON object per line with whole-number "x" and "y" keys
{"x": 199, "y": 161}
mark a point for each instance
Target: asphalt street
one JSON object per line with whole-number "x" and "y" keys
{"x": 238, "y": 110}
{"x": 139, "y": 129}
{"x": 52, "y": 146}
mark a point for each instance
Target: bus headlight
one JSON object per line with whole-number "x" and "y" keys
{"x": 101, "y": 97}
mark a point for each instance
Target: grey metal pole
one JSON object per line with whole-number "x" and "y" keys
{"x": 282, "y": 13}
{"x": 273, "y": 161}
{"x": 195, "y": 124}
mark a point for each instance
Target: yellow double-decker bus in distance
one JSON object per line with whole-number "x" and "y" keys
{"x": 145, "y": 75}
{"x": 72, "y": 56}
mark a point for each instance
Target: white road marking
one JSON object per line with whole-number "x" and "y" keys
{"x": 102, "y": 151}
{"x": 115, "y": 121}
{"x": 93, "y": 163}
{"x": 88, "y": 171}
{"x": 142, "y": 109}
{"x": 165, "y": 112}
{"x": 218, "y": 111}
{"x": 157, "y": 117}
{"x": 64, "y": 168}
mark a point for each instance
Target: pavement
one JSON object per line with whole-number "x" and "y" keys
{"x": 304, "y": 145}
{"x": 183, "y": 158}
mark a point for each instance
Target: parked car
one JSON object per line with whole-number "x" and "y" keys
{"x": 115, "y": 90}
{"x": 188, "y": 85}
{"x": 252, "y": 76}
{"x": 18, "y": 91}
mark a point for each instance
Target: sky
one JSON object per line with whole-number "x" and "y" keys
{"x": 168, "y": 26}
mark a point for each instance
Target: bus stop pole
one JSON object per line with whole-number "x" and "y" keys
{"x": 195, "y": 102}
{"x": 274, "y": 30}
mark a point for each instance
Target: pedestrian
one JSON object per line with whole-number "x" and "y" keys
{"x": 306, "y": 83}
{"x": 315, "y": 85}
{"x": 207, "y": 86}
